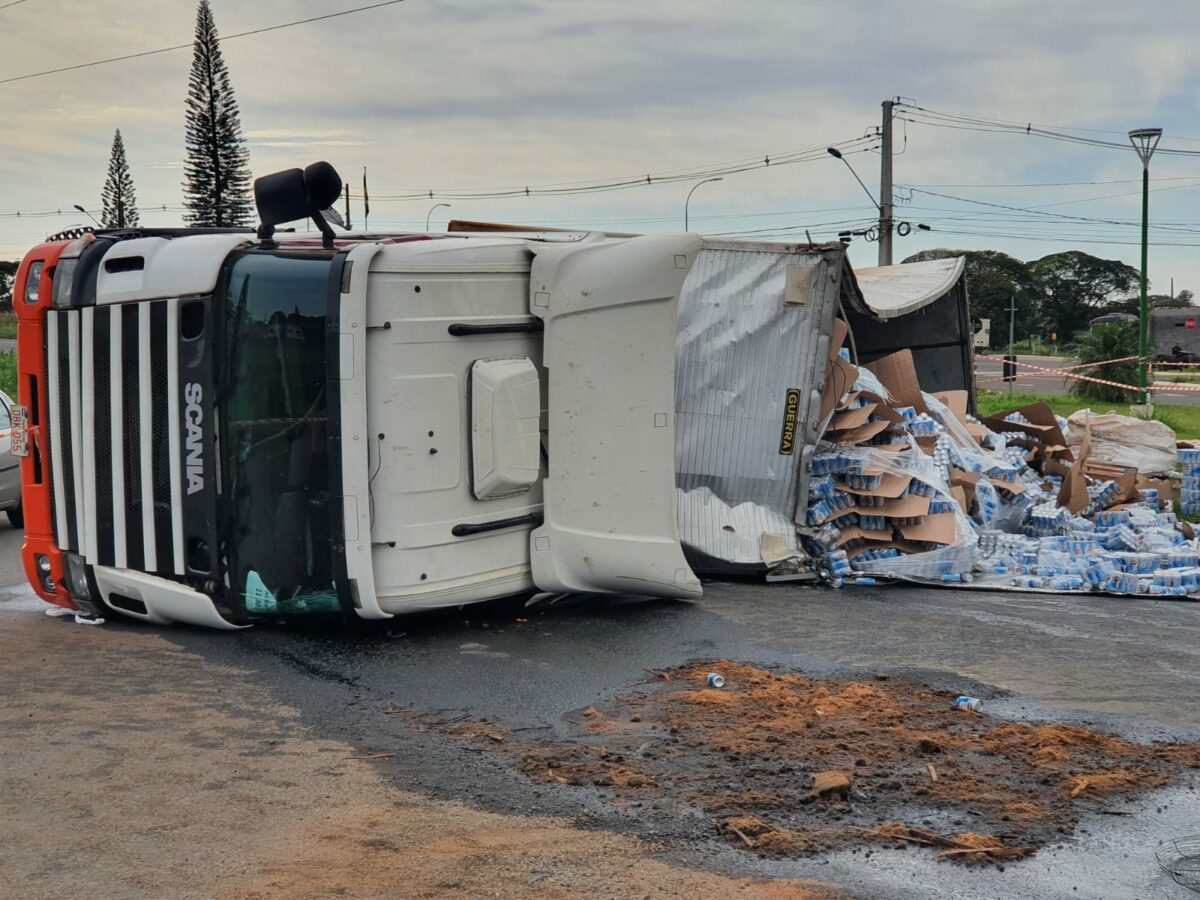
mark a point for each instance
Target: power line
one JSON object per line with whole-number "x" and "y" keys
{"x": 937, "y": 118}
{"x": 1021, "y": 184}
{"x": 14, "y": 3}
{"x": 229, "y": 37}
{"x": 767, "y": 161}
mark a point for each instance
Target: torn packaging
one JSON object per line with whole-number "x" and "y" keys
{"x": 859, "y": 435}
{"x": 899, "y": 376}
{"x": 854, "y": 533}
{"x": 956, "y": 402}
{"x": 1042, "y": 427}
{"x": 839, "y": 374}
{"x": 939, "y": 528}
{"x": 1074, "y": 494}
{"x": 891, "y": 485}
{"x": 839, "y": 378}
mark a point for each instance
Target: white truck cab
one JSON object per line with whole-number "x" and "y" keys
{"x": 244, "y": 427}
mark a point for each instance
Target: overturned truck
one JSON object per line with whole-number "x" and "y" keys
{"x": 221, "y": 426}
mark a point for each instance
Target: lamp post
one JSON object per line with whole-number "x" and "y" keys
{"x": 837, "y": 154}
{"x": 88, "y": 214}
{"x": 430, "y": 213}
{"x": 689, "y": 198}
{"x": 1145, "y": 142}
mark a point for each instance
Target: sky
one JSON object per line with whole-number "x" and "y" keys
{"x": 467, "y": 96}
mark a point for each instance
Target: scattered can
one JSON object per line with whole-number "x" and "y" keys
{"x": 715, "y": 680}
{"x": 969, "y": 703}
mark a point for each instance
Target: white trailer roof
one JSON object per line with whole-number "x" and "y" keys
{"x": 892, "y": 291}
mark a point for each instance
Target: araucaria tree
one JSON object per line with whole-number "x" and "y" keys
{"x": 120, "y": 202}
{"x": 216, "y": 184}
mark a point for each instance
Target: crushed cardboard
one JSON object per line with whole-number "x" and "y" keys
{"x": 891, "y": 485}
{"x": 865, "y": 419}
{"x": 898, "y": 374}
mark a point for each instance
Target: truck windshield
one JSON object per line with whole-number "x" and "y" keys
{"x": 275, "y": 468}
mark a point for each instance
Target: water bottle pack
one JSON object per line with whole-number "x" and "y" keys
{"x": 1123, "y": 537}
{"x": 923, "y": 425}
{"x": 1122, "y": 583}
{"x": 1189, "y": 494}
{"x": 1181, "y": 559}
{"x": 1066, "y": 582}
{"x": 839, "y": 563}
{"x": 1112, "y": 517}
{"x": 1014, "y": 532}
{"x": 822, "y": 488}
{"x": 920, "y": 488}
{"x": 1138, "y": 563}
{"x": 862, "y": 481}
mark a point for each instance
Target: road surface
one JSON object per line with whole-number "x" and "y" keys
{"x": 1031, "y": 379}
{"x": 146, "y": 762}
{"x": 989, "y": 374}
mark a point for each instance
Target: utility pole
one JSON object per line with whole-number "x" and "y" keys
{"x": 1010, "y": 367}
{"x": 1145, "y": 142}
{"x": 349, "y": 227}
{"x": 885, "y": 188}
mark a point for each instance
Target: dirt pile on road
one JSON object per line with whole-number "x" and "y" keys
{"x": 757, "y": 757}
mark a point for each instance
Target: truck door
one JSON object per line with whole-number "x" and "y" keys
{"x": 609, "y": 350}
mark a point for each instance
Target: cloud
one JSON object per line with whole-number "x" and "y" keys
{"x": 489, "y": 93}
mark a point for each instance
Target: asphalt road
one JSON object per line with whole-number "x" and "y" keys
{"x": 989, "y": 371}
{"x": 188, "y": 725}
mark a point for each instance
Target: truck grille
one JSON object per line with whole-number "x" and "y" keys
{"x": 113, "y": 428}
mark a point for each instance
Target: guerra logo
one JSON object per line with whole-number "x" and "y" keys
{"x": 193, "y": 416}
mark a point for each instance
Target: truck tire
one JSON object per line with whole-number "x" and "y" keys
{"x": 16, "y": 516}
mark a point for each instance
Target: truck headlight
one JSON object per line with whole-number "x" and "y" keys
{"x": 77, "y": 580}
{"x": 33, "y": 281}
{"x": 64, "y": 275}
{"x": 41, "y": 562}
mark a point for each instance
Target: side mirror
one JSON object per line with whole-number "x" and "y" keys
{"x": 297, "y": 194}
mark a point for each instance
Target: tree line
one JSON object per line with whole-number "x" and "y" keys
{"x": 1055, "y": 295}
{"x": 216, "y": 180}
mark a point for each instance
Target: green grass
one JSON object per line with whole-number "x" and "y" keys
{"x": 8, "y": 326}
{"x": 8, "y": 374}
{"x": 1184, "y": 420}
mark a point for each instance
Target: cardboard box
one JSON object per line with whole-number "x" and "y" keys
{"x": 898, "y": 375}
{"x": 1048, "y": 439}
{"x": 891, "y": 485}
{"x": 936, "y": 529}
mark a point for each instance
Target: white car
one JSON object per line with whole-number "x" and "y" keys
{"x": 10, "y": 467}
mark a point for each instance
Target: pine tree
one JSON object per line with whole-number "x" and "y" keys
{"x": 120, "y": 201}
{"x": 216, "y": 184}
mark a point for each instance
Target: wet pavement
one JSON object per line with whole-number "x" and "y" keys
{"x": 1130, "y": 667}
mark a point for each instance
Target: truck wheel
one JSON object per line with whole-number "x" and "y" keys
{"x": 16, "y": 516}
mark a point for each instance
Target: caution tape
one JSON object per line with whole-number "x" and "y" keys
{"x": 1067, "y": 374}
{"x": 1159, "y": 386}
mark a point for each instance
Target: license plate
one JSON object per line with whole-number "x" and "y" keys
{"x": 20, "y": 431}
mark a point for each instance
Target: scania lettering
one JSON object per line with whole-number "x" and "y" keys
{"x": 194, "y": 416}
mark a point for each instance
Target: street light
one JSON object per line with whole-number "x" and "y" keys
{"x": 1145, "y": 142}
{"x": 689, "y": 198}
{"x": 430, "y": 213}
{"x": 88, "y": 214}
{"x": 837, "y": 154}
